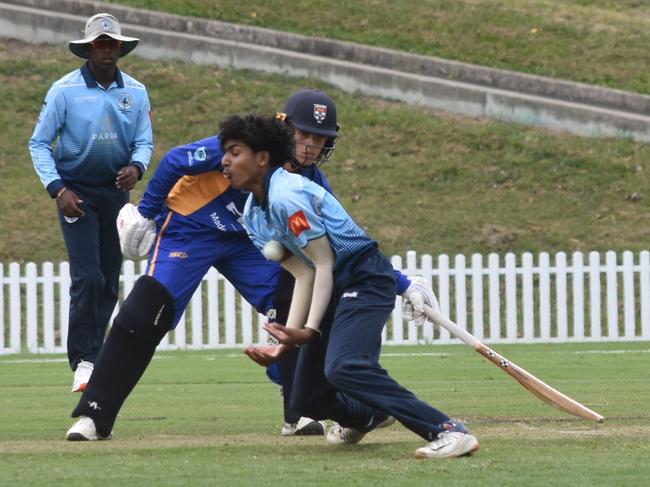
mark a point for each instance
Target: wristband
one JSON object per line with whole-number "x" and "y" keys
{"x": 61, "y": 191}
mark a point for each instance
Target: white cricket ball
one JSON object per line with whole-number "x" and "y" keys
{"x": 273, "y": 250}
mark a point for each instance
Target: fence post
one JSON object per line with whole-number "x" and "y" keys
{"x": 644, "y": 287}
{"x": 461, "y": 291}
{"x": 544, "y": 265}
{"x": 495, "y": 297}
{"x": 629, "y": 311}
{"x": 443, "y": 292}
{"x": 213, "y": 307}
{"x": 64, "y": 295}
{"x": 396, "y": 316}
{"x": 246, "y": 322}
{"x": 578, "y": 282}
{"x": 511, "y": 297}
{"x": 561, "y": 295}
{"x": 477, "y": 296}
{"x": 48, "y": 307}
{"x": 612, "y": 294}
{"x": 527, "y": 297}
{"x": 14, "y": 307}
{"x": 31, "y": 302}
{"x": 197, "y": 317}
{"x": 594, "y": 294}
{"x": 2, "y": 308}
{"x": 426, "y": 263}
{"x": 231, "y": 324}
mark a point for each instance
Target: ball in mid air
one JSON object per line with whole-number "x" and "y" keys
{"x": 273, "y": 250}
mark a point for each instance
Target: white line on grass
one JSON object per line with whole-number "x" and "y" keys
{"x": 54, "y": 360}
{"x": 605, "y": 352}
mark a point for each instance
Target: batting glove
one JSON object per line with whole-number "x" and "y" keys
{"x": 415, "y": 297}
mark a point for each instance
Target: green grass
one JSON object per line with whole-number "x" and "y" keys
{"x": 416, "y": 179}
{"x": 600, "y": 42}
{"x": 212, "y": 418}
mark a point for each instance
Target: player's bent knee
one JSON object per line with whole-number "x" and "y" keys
{"x": 344, "y": 372}
{"x": 148, "y": 311}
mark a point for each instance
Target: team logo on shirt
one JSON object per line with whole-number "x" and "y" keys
{"x": 320, "y": 112}
{"x": 200, "y": 154}
{"x": 298, "y": 223}
{"x": 125, "y": 102}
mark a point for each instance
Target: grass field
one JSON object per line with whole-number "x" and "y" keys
{"x": 211, "y": 418}
{"x": 600, "y": 42}
{"x": 416, "y": 179}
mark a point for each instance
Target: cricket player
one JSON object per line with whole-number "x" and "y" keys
{"x": 194, "y": 216}
{"x": 91, "y": 144}
{"x": 338, "y": 374}
{"x": 311, "y": 115}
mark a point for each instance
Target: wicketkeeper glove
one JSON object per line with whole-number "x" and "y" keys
{"x": 136, "y": 232}
{"x": 415, "y": 297}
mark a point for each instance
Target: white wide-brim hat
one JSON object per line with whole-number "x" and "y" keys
{"x": 102, "y": 25}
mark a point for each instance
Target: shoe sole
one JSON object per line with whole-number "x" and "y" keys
{"x": 80, "y": 437}
{"x": 76, "y": 437}
{"x": 473, "y": 448}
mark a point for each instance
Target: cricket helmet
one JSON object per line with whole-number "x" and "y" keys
{"x": 313, "y": 112}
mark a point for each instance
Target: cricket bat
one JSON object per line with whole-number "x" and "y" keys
{"x": 539, "y": 388}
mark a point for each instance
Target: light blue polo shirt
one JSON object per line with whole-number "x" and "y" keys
{"x": 95, "y": 131}
{"x": 298, "y": 210}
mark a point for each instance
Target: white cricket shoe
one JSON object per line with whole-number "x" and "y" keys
{"x": 454, "y": 442}
{"x": 82, "y": 376}
{"x": 341, "y": 435}
{"x": 84, "y": 430}
{"x": 304, "y": 427}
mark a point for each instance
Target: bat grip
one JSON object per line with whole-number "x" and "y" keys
{"x": 452, "y": 327}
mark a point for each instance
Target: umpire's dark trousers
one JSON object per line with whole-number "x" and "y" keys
{"x": 95, "y": 264}
{"x": 338, "y": 375}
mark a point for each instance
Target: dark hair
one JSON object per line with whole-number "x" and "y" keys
{"x": 260, "y": 133}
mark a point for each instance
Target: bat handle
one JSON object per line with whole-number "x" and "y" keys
{"x": 452, "y": 327}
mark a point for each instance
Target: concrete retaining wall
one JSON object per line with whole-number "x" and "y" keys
{"x": 427, "y": 81}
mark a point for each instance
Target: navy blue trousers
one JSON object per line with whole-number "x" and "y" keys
{"x": 95, "y": 263}
{"x": 338, "y": 375}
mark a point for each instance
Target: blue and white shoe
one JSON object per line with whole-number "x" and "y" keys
{"x": 454, "y": 441}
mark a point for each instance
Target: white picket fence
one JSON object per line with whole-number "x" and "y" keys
{"x": 526, "y": 300}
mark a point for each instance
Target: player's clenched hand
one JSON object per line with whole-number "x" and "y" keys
{"x": 290, "y": 336}
{"x": 266, "y": 355}
{"x": 415, "y": 297}
{"x": 68, "y": 202}
{"x": 127, "y": 177}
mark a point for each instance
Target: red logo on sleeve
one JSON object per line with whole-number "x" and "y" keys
{"x": 298, "y": 223}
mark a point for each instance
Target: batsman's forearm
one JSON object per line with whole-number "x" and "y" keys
{"x": 302, "y": 291}
{"x": 322, "y": 294}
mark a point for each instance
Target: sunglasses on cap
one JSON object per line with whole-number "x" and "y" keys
{"x": 106, "y": 43}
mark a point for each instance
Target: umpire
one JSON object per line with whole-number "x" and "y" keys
{"x": 92, "y": 143}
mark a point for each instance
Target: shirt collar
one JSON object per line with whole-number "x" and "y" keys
{"x": 267, "y": 185}
{"x": 91, "y": 82}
